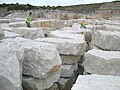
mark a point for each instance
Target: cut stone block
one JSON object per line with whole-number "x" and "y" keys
{"x": 102, "y": 62}
{"x": 5, "y": 27}
{"x": 66, "y": 46}
{"x": 70, "y": 59}
{"x": 59, "y": 34}
{"x": 112, "y": 27}
{"x": 107, "y": 40}
{"x": 39, "y": 58}
{"x": 30, "y": 83}
{"x": 67, "y": 70}
{"x": 97, "y": 82}
{"x": 66, "y": 83}
{"x": 29, "y": 33}
{"x": 10, "y": 71}
{"x": 17, "y": 24}
{"x": 11, "y": 34}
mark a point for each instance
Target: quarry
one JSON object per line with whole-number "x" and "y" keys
{"x": 56, "y": 53}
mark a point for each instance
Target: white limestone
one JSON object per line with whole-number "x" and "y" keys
{"x": 30, "y": 83}
{"x": 66, "y": 46}
{"x": 10, "y": 70}
{"x": 112, "y": 27}
{"x": 17, "y": 24}
{"x": 59, "y": 34}
{"x": 29, "y": 33}
{"x": 97, "y": 82}
{"x": 107, "y": 40}
{"x": 102, "y": 62}
{"x": 1, "y": 33}
{"x": 11, "y": 34}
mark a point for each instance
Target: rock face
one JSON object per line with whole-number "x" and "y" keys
{"x": 10, "y": 71}
{"x": 30, "y": 83}
{"x": 11, "y": 34}
{"x": 102, "y": 62}
{"x": 97, "y": 82}
{"x": 107, "y": 40}
{"x": 29, "y": 33}
{"x": 59, "y": 34}
{"x": 66, "y": 46}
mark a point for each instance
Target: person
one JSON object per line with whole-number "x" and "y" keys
{"x": 83, "y": 25}
{"x": 28, "y": 19}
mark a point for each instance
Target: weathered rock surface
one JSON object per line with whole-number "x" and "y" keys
{"x": 1, "y": 33}
{"x": 30, "y": 83}
{"x": 102, "y": 62}
{"x": 29, "y": 33}
{"x": 107, "y": 40}
{"x": 10, "y": 70}
{"x": 11, "y": 34}
{"x": 53, "y": 87}
{"x": 66, "y": 46}
{"x": 59, "y": 34}
{"x": 67, "y": 70}
{"x": 112, "y": 27}
{"x": 70, "y": 59}
{"x": 97, "y": 82}
{"x": 17, "y": 24}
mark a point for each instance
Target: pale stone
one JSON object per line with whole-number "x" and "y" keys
{"x": 9, "y": 70}
{"x": 70, "y": 59}
{"x": 17, "y": 24}
{"x": 67, "y": 70}
{"x": 59, "y": 34}
{"x": 11, "y": 34}
{"x": 102, "y": 62}
{"x": 112, "y": 27}
{"x": 53, "y": 87}
{"x": 30, "y": 83}
{"x": 66, "y": 46}
{"x": 97, "y": 82}
{"x": 39, "y": 58}
{"x": 6, "y": 27}
{"x": 107, "y": 40}
{"x": 29, "y": 33}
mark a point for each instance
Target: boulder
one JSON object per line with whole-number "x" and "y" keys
{"x": 102, "y": 62}
{"x": 11, "y": 34}
{"x": 97, "y": 82}
{"x": 29, "y": 33}
{"x": 31, "y": 83}
{"x": 107, "y": 40}
{"x": 10, "y": 70}
{"x": 66, "y": 46}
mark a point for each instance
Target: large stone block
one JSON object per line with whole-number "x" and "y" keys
{"x": 30, "y": 83}
{"x": 29, "y": 33}
{"x": 10, "y": 70}
{"x": 66, "y": 46}
{"x": 60, "y": 34}
{"x": 39, "y": 58}
{"x": 11, "y": 34}
{"x": 102, "y": 62}
{"x": 17, "y": 24}
{"x": 1, "y": 33}
{"x": 107, "y": 40}
{"x": 112, "y": 27}
{"x": 97, "y": 82}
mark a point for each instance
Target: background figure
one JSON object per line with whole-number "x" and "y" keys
{"x": 28, "y": 20}
{"x": 83, "y": 25}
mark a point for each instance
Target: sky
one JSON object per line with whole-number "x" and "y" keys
{"x": 53, "y": 2}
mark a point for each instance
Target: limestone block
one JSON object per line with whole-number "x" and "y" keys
{"x": 66, "y": 46}
{"x": 30, "y": 83}
{"x": 9, "y": 70}
{"x": 1, "y": 33}
{"x": 112, "y": 27}
{"x": 107, "y": 40}
{"x": 97, "y": 82}
{"x": 5, "y": 27}
{"x": 70, "y": 59}
{"x": 67, "y": 70}
{"x": 17, "y": 24}
{"x": 59, "y": 34}
{"x": 29, "y": 33}
{"x": 11, "y": 34}
{"x": 102, "y": 62}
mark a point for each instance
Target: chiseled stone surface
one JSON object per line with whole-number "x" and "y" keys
{"x": 29, "y": 33}
{"x": 30, "y": 83}
{"x": 66, "y": 46}
{"x": 10, "y": 70}
{"x": 102, "y": 62}
{"x": 107, "y": 40}
{"x": 97, "y": 82}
